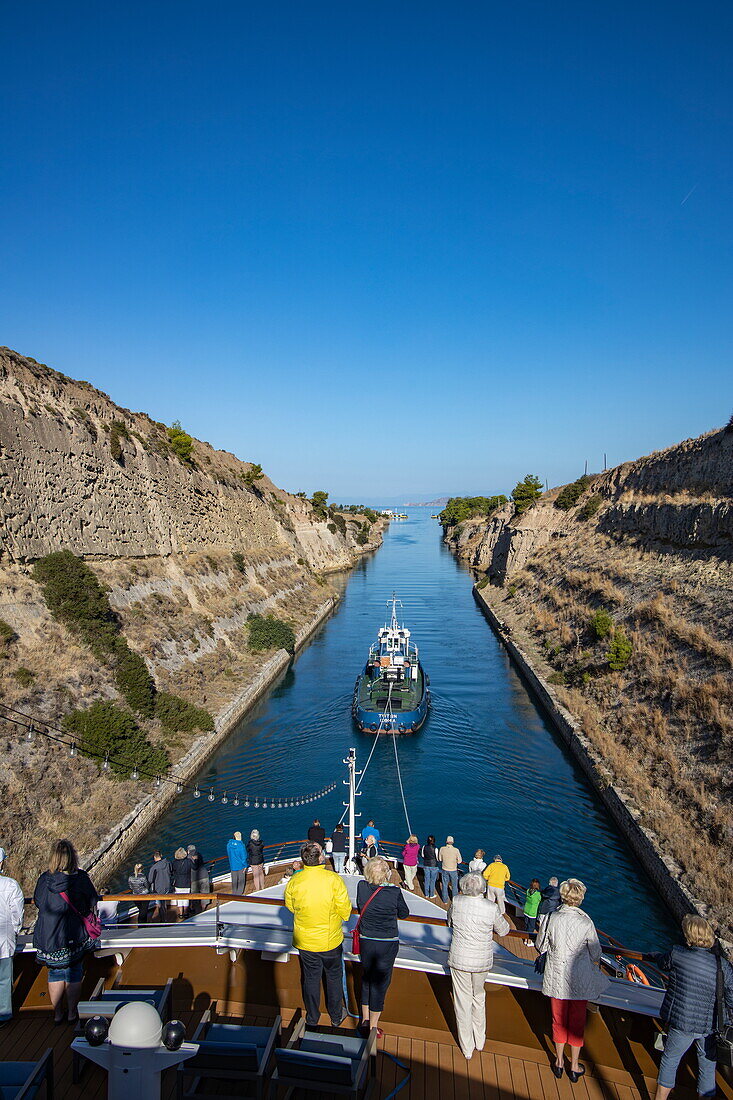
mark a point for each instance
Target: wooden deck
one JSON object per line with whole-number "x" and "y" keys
{"x": 418, "y": 1026}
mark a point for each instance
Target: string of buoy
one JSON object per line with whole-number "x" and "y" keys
{"x": 40, "y": 727}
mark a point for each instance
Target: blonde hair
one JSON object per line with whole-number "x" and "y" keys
{"x": 697, "y": 931}
{"x": 63, "y": 857}
{"x": 479, "y": 853}
{"x": 180, "y": 853}
{"x": 138, "y": 868}
{"x": 377, "y": 871}
{"x": 572, "y": 891}
{"x": 412, "y": 839}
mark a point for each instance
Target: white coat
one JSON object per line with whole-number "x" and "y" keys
{"x": 11, "y": 915}
{"x": 573, "y": 951}
{"x": 474, "y": 921}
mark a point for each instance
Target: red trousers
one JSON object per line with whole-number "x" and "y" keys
{"x": 568, "y": 1021}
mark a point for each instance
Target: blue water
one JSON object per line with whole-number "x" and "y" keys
{"x": 485, "y": 767}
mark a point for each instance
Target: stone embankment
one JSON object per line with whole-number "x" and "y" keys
{"x": 622, "y": 611}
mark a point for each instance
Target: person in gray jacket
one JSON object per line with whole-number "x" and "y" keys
{"x": 473, "y": 919}
{"x": 571, "y": 976}
{"x": 160, "y": 877}
{"x": 688, "y": 1007}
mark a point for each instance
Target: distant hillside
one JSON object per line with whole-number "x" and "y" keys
{"x": 623, "y": 597}
{"x": 186, "y": 541}
{"x": 439, "y": 503}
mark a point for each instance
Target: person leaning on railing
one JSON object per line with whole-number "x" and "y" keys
{"x": 571, "y": 976}
{"x": 381, "y": 905}
{"x": 473, "y": 919}
{"x": 688, "y": 1007}
{"x": 319, "y": 902}
{"x": 497, "y": 876}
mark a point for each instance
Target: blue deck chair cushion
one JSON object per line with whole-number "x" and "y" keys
{"x": 227, "y": 1040}
{"x": 326, "y": 1068}
{"x": 13, "y": 1075}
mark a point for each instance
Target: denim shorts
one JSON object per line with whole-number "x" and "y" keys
{"x": 71, "y": 973}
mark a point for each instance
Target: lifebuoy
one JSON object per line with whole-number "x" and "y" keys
{"x": 635, "y": 974}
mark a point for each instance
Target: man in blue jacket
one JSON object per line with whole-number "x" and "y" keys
{"x": 237, "y": 854}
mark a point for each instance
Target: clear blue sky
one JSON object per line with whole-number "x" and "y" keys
{"x": 378, "y": 247}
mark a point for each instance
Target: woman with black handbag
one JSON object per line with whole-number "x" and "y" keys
{"x": 376, "y": 936}
{"x": 696, "y": 974}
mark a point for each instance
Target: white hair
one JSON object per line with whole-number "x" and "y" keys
{"x": 255, "y": 834}
{"x": 472, "y": 885}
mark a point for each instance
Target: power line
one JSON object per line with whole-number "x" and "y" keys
{"x": 40, "y": 727}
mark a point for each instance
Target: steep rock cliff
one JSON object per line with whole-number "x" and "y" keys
{"x": 650, "y": 544}
{"x": 187, "y": 547}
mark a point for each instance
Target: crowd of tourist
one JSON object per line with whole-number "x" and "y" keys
{"x": 71, "y": 914}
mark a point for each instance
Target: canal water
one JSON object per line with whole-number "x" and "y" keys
{"x": 486, "y": 767}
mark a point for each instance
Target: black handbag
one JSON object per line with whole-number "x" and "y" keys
{"x": 723, "y": 1031}
{"x": 540, "y": 963}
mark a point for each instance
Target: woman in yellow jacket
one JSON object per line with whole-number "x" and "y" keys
{"x": 318, "y": 899}
{"x": 497, "y": 875}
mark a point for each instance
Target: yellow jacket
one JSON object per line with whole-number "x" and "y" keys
{"x": 319, "y": 901}
{"x": 497, "y": 874}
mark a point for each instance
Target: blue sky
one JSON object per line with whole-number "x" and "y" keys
{"x": 379, "y": 248}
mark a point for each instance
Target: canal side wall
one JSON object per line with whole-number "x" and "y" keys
{"x": 661, "y": 869}
{"x": 127, "y": 834}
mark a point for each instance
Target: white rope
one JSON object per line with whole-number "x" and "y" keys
{"x": 387, "y": 713}
{"x": 399, "y": 776}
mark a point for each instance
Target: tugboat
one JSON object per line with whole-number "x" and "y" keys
{"x": 392, "y": 694}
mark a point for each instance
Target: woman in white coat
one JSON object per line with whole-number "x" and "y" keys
{"x": 571, "y": 976}
{"x": 474, "y": 919}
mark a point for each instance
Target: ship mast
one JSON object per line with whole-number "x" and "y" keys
{"x": 350, "y": 762}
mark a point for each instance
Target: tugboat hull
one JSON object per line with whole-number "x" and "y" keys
{"x": 369, "y": 721}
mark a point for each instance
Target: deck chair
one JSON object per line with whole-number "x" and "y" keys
{"x": 105, "y": 1002}
{"x": 227, "y": 1052}
{"x": 23, "y": 1080}
{"x": 340, "y": 1063}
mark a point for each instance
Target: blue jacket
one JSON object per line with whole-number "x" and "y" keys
{"x": 237, "y": 855}
{"x": 689, "y": 1003}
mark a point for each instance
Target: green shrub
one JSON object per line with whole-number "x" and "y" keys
{"x": 601, "y": 624}
{"x": 332, "y": 528}
{"x": 511, "y": 590}
{"x": 569, "y": 496}
{"x": 301, "y": 561}
{"x": 75, "y": 597}
{"x": 134, "y": 680}
{"x": 181, "y": 442}
{"x": 253, "y": 475}
{"x": 7, "y": 634}
{"x": 239, "y": 561}
{"x": 620, "y": 651}
{"x": 24, "y": 676}
{"x": 362, "y": 538}
{"x": 556, "y": 678}
{"x": 591, "y": 506}
{"x": 267, "y": 632}
{"x": 318, "y": 501}
{"x": 460, "y": 508}
{"x": 176, "y": 714}
{"x": 114, "y": 445}
{"x": 106, "y": 729}
{"x": 483, "y": 582}
{"x": 526, "y": 492}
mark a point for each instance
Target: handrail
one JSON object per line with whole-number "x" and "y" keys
{"x": 613, "y": 944}
{"x": 218, "y": 898}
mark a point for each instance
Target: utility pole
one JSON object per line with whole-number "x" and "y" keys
{"x": 604, "y": 460}
{"x": 586, "y": 467}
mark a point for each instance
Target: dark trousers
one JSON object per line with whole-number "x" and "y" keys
{"x": 377, "y": 962}
{"x": 142, "y": 911}
{"x": 238, "y": 881}
{"x": 313, "y": 965}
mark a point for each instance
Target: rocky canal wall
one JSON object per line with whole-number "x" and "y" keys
{"x": 662, "y": 871}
